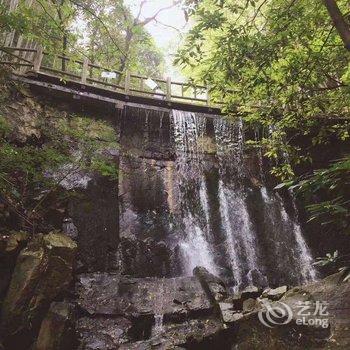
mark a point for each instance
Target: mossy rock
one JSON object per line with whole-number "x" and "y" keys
{"x": 43, "y": 271}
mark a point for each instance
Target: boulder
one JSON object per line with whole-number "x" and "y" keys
{"x": 10, "y": 246}
{"x": 189, "y": 335}
{"x": 228, "y": 313}
{"x": 237, "y": 300}
{"x": 43, "y": 270}
{"x": 111, "y": 295}
{"x": 333, "y": 296}
{"x": 275, "y": 294}
{"x": 249, "y": 305}
{"x": 331, "y": 293}
{"x": 13, "y": 243}
{"x": 250, "y": 292}
{"x": 213, "y": 285}
{"x": 102, "y": 333}
{"x": 57, "y": 329}
{"x": 69, "y": 228}
{"x": 251, "y": 334}
{"x": 144, "y": 258}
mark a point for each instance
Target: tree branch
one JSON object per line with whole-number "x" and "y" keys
{"x": 152, "y": 18}
{"x": 339, "y": 22}
{"x": 91, "y": 12}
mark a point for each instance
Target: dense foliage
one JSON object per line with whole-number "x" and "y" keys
{"x": 283, "y": 67}
{"x": 105, "y": 32}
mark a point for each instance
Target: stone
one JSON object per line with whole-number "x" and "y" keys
{"x": 228, "y": 314}
{"x": 212, "y": 284}
{"x": 236, "y": 300}
{"x": 249, "y": 305}
{"x": 43, "y": 270}
{"x": 57, "y": 329}
{"x": 331, "y": 292}
{"x": 250, "y": 292}
{"x": 186, "y": 335}
{"x": 14, "y": 242}
{"x": 70, "y": 229}
{"x": 144, "y": 258}
{"x": 102, "y": 333}
{"x": 95, "y": 216}
{"x": 111, "y": 294}
{"x": 275, "y": 294}
{"x": 10, "y": 246}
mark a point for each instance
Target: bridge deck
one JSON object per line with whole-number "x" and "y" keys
{"x": 79, "y": 80}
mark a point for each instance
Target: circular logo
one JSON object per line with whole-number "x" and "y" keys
{"x": 277, "y": 314}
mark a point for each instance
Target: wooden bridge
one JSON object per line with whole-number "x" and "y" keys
{"x": 78, "y": 79}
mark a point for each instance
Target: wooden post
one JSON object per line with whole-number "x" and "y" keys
{"x": 127, "y": 82}
{"x": 208, "y": 95}
{"x": 142, "y": 84}
{"x": 38, "y": 59}
{"x": 84, "y": 71}
{"x": 168, "y": 88}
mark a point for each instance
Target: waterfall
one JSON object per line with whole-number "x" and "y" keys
{"x": 216, "y": 225}
{"x": 195, "y": 248}
{"x": 158, "y": 324}
{"x": 291, "y": 229}
{"x": 241, "y": 240}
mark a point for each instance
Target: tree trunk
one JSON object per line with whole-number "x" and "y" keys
{"x": 339, "y": 22}
{"x": 124, "y": 59}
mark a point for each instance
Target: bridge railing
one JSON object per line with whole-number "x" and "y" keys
{"x": 67, "y": 68}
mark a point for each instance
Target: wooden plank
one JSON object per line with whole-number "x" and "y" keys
{"x": 60, "y": 72}
{"x": 38, "y": 59}
{"x": 84, "y": 71}
{"x": 142, "y": 87}
{"x": 16, "y": 63}
{"x": 208, "y": 95}
{"x": 168, "y": 88}
{"x": 189, "y": 98}
{"x": 127, "y": 82}
{"x": 16, "y": 56}
{"x": 84, "y": 78}
{"x": 151, "y": 93}
{"x": 92, "y": 80}
{"x": 18, "y": 49}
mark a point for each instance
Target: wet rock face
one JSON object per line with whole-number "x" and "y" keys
{"x": 188, "y": 181}
{"x": 122, "y": 311}
{"x": 43, "y": 270}
{"x": 112, "y": 294}
{"x": 190, "y": 335}
{"x": 147, "y": 199}
{"x": 102, "y": 333}
{"x": 213, "y": 285}
{"x": 146, "y": 258}
{"x": 198, "y": 313}
{"x": 95, "y": 215}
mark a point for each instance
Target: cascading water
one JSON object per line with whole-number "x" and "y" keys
{"x": 219, "y": 230}
{"x": 195, "y": 248}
